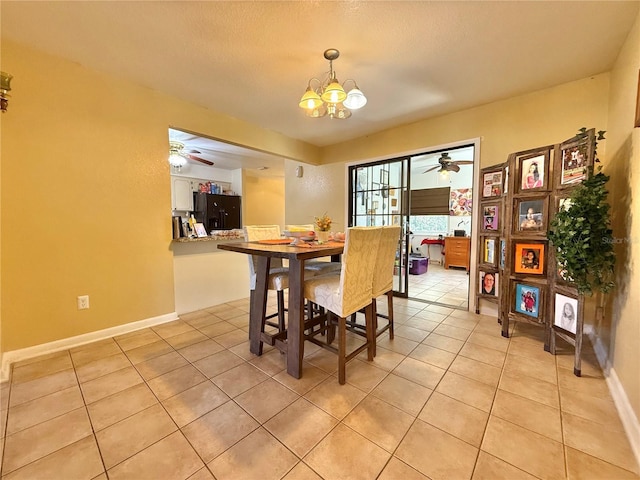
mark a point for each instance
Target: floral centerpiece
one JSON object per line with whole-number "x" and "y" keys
{"x": 323, "y": 223}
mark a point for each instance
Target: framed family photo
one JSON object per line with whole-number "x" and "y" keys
{"x": 491, "y": 218}
{"x": 532, "y": 171}
{"x": 574, "y": 160}
{"x": 566, "y": 312}
{"x": 490, "y": 251}
{"x": 489, "y": 284}
{"x": 492, "y": 184}
{"x": 527, "y": 300}
{"x": 531, "y": 215}
{"x": 529, "y": 258}
{"x": 200, "y": 230}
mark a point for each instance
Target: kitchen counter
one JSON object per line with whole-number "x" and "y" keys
{"x": 210, "y": 238}
{"x": 225, "y": 235}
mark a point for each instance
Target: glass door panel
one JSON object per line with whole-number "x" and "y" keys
{"x": 378, "y": 194}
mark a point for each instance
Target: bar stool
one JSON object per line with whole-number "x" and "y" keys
{"x": 278, "y": 275}
{"x": 345, "y": 294}
{"x": 383, "y": 277}
{"x": 382, "y": 282}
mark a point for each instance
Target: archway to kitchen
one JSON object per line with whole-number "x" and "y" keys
{"x": 431, "y": 194}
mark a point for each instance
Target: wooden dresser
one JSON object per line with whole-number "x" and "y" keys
{"x": 457, "y": 252}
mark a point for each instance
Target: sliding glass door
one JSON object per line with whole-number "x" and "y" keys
{"x": 379, "y": 195}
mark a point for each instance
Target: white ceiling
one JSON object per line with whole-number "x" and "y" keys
{"x": 252, "y": 59}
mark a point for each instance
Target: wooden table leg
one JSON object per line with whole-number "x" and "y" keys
{"x": 258, "y": 307}
{"x": 295, "y": 329}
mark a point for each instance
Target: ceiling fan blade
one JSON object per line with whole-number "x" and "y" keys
{"x": 197, "y": 152}
{"x": 432, "y": 168}
{"x": 198, "y": 159}
{"x": 452, "y": 167}
{"x": 463, "y": 162}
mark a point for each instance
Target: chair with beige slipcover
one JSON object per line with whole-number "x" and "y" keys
{"x": 382, "y": 282}
{"x": 278, "y": 275}
{"x": 347, "y": 293}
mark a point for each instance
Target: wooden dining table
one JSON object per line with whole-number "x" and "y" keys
{"x": 292, "y": 342}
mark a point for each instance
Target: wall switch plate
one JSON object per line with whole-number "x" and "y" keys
{"x": 83, "y": 302}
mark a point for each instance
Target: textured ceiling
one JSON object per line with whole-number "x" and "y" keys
{"x": 252, "y": 60}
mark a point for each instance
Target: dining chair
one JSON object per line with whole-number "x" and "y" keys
{"x": 319, "y": 267}
{"x": 278, "y": 275}
{"x": 382, "y": 283}
{"x": 347, "y": 293}
{"x": 383, "y": 277}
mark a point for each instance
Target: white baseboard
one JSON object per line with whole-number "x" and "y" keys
{"x": 627, "y": 415}
{"x": 24, "y": 353}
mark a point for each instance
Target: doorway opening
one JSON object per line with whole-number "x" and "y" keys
{"x": 430, "y": 194}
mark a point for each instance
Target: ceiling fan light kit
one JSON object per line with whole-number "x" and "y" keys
{"x": 178, "y": 159}
{"x": 329, "y": 96}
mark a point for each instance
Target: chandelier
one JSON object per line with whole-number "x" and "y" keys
{"x": 329, "y": 96}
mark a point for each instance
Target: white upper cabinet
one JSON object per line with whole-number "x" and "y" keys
{"x": 181, "y": 194}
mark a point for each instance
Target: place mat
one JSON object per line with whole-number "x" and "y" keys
{"x": 276, "y": 241}
{"x": 321, "y": 245}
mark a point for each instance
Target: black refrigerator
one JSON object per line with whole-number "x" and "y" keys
{"x": 217, "y": 212}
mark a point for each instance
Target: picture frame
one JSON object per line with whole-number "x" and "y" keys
{"x": 492, "y": 185}
{"x": 529, "y": 258}
{"x": 491, "y": 217}
{"x": 527, "y": 300}
{"x": 566, "y": 312}
{"x": 490, "y": 251}
{"x": 200, "y": 230}
{"x": 573, "y": 161}
{"x": 384, "y": 177}
{"x": 530, "y": 215}
{"x": 532, "y": 171}
{"x": 488, "y": 283}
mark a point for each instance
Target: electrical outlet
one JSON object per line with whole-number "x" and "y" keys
{"x": 83, "y": 302}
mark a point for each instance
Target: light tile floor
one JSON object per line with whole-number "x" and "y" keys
{"x": 439, "y": 285}
{"x": 448, "y": 398}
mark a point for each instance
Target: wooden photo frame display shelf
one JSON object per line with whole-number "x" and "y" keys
{"x": 574, "y": 158}
{"x": 491, "y": 223}
{"x": 532, "y": 287}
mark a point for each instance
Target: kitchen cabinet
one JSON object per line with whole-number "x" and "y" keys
{"x": 457, "y": 252}
{"x": 181, "y": 194}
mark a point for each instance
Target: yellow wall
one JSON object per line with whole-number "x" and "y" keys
{"x": 620, "y": 329}
{"x": 528, "y": 121}
{"x": 320, "y": 189}
{"x": 263, "y": 201}
{"x": 86, "y": 203}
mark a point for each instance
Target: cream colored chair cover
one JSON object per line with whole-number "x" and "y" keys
{"x": 385, "y": 260}
{"x": 278, "y": 275}
{"x": 352, "y": 289}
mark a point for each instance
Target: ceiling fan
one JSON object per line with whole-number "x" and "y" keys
{"x": 177, "y": 157}
{"x": 446, "y": 164}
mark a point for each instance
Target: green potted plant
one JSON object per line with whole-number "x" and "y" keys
{"x": 581, "y": 235}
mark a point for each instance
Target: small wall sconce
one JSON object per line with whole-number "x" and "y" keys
{"x": 299, "y": 171}
{"x": 5, "y": 87}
